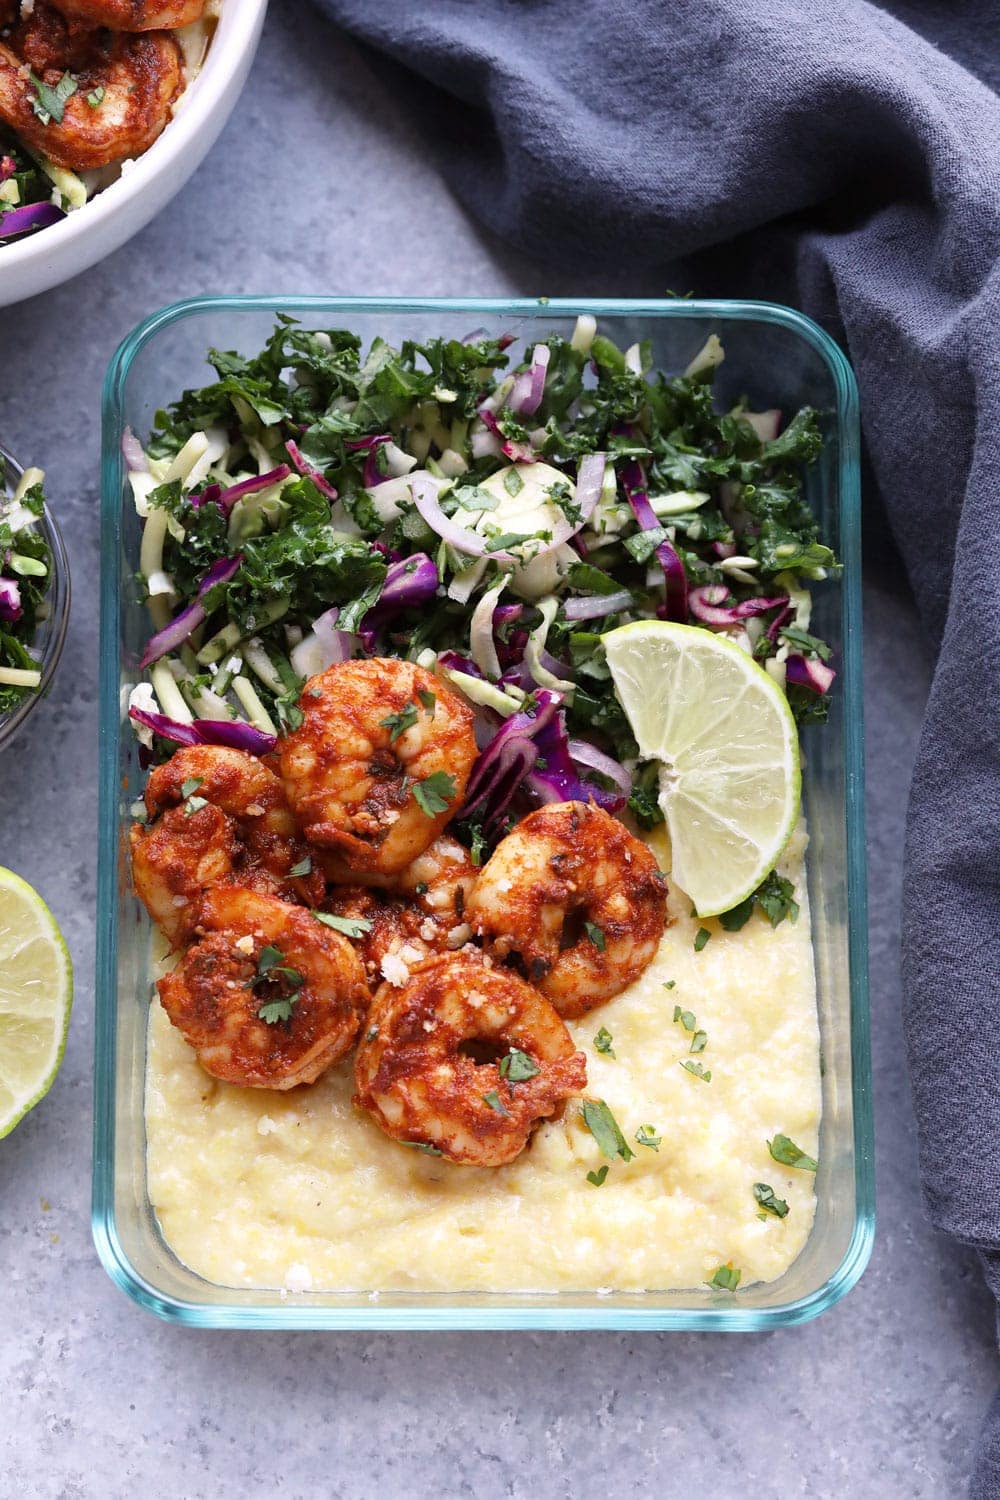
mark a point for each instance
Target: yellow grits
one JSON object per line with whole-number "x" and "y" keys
{"x": 301, "y": 1191}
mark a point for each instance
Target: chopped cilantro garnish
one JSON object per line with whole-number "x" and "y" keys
{"x": 596, "y": 935}
{"x": 596, "y": 1179}
{"x": 705, "y": 1074}
{"x": 353, "y": 927}
{"x": 428, "y": 699}
{"x": 493, "y": 1100}
{"x": 670, "y": 984}
{"x": 400, "y": 722}
{"x": 516, "y": 1066}
{"x": 727, "y": 1278}
{"x": 605, "y": 1129}
{"x": 701, "y": 937}
{"x": 512, "y": 482}
{"x": 699, "y": 1041}
{"x": 49, "y": 102}
{"x": 764, "y": 1194}
{"x": 272, "y": 970}
{"x": 603, "y": 1041}
{"x": 686, "y": 1018}
{"x": 96, "y": 97}
{"x": 775, "y": 896}
{"x": 790, "y": 1155}
{"x": 273, "y": 1011}
{"x": 423, "y": 1146}
{"x": 434, "y": 794}
{"x": 191, "y": 785}
{"x": 646, "y": 1136}
{"x": 304, "y": 867}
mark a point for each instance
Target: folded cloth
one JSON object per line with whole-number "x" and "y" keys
{"x": 847, "y": 158}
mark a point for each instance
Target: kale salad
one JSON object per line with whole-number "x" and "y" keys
{"x": 486, "y": 515}
{"x": 25, "y": 578}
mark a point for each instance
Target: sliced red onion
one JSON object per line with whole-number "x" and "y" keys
{"x": 526, "y": 394}
{"x": 674, "y": 606}
{"x": 369, "y": 446}
{"x": 507, "y": 759}
{"x": 336, "y": 645}
{"x": 10, "y": 600}
{"x": 592, "y": 759}
{"x": 706, "y": 604}
{"x": 232, "y": 732}
{"x": 453, "y": 662}
{"x": 485, "y": 445}
{"x": 764, "y": 423}
{"x": 809, "y": 672}
{"x": 781, "y": 618}
{"x": 506, "y": 614}
{"x": 518, "y": 453}
{"x": 31, "y": 216}
{"x": 592, "y": 607}
{"x": 724, "y": 549}
{"x": 181, "y": 626}
{"x": 306, "y": 469}
{"x": 474, "y": 337}
{"x": 408, "y": 584}
{"x": 226, "y": 499}
{"x": 558, "y": 780}
{"x": 133, "y": 453}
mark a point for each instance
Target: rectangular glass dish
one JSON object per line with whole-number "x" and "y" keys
{"x": 774, "y": 357}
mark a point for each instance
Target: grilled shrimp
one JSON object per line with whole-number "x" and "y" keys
{"x": 124, "y": 87}
{"x": 424, "y": 913}
{"x": 577, "y": 899}
{"x": 378, "y": 765}
{"x": 215, "y": 814}
{"x": 268, "y": 997}
{"x": 134, "y": 15}
{"x": 465, "y": 1060}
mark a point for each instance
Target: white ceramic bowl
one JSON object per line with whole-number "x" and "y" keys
{"x": 50, "y": 256}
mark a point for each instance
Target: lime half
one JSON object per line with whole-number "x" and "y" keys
{"x": 36, "y": 992}
{"x": 728, "y": 750}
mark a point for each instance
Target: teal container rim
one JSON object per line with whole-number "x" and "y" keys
{"x": 534, "y": 1311}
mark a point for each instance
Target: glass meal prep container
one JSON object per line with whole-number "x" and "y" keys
{"x": 775, "y": 357}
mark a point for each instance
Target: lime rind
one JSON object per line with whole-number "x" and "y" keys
{"x": 36, "y": 996}
{"x": 728, "y": 747}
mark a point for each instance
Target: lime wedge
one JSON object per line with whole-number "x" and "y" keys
{"x": 728, "y": 750}
{"x": 36, "y": 992}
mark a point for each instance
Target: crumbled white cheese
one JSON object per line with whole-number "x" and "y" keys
{"x": 410, "y": 955}
{"x": 395, "y": 970}
{"x": 460, "y": 935}
{"x": 244, "y": 944}
{"x": 255, "y": 810}
{"x": 178, "y": 901}
{"x": 428, "y": 931}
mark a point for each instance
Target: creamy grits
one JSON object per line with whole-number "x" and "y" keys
{"x": 300, "y": 1191}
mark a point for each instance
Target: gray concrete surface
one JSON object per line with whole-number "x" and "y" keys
{"x": 881, "y": 1397}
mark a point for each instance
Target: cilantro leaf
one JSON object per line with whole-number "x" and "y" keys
{"x": 49, "y": 102}
{"x": 493, "y": 1100}
{"x": 764, "y": 1194}
{"x": 353, "y": 927}
{"x": 785, "y": 1151}
{"x": 596, "y": 935}
{"x": 727, "y": 1278}
{"x": 646, "y": 1136}
{"x": 605, "y": 1129}
{"x": 701, "y": 937}
{"x": 434, "y": 794}
{"x": 516, "y": 1066}
{"x": 273, "y": 1011}
{"x": 705, "y": 1074}
{"x": 304, "y": 867}
{"x": 596, "y": 1179}
{"x": 400, "y": 722}
{"x": 603, "y": 1041}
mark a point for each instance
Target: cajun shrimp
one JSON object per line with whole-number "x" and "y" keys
{"x": 465, "y": 1059}
{"x": 423, "y": 913}
{"x": 215, "y": 814}
{"x": 123, "y": 88}
{"x": 134, "y": 15}
{"x": 577, "y": 899}
{"x": 378, "y": 765}
{"x": 268, "y": 997}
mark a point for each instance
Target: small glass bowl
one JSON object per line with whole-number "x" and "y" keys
{"x": 51, "y": 634}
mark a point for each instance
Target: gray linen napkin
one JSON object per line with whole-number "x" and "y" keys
{"x": 844, "y": 156}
